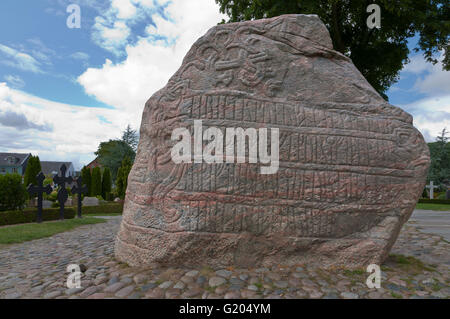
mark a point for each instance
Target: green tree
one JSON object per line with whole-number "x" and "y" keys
{"x": 12, "y": 192}
{"x": 32, "y": 170}
{"x": 379, "y": 54}
{"x": 96, "y": 182}
{"x": 130, "y": 137}
{"x": 439, "y": 171}
{"x": 122, "y": 177}
{"x": 106, "y": 183}
{"x": 111, "y": 154}
{"x": 87, "y": 179}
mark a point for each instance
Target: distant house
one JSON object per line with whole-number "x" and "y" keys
{"x": 95, "y": 163}
{"x": 13, "y": 163}
{"x": 53, "y": 168}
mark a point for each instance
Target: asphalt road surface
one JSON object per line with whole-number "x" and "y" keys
{"x": 432, "y": 222}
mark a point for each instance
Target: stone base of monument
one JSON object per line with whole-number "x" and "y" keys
{"x": 139, "y": 246}
{"x": 350, "y": 167}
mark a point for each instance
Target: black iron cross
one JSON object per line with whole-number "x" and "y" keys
{"x": 39, "y": 189}
{"x": 79, "y": 189}
{"x": 63, "y": 195}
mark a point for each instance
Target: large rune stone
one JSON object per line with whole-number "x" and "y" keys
{"x": 351, "y": 166}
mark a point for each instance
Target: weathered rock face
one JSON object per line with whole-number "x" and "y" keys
{"x": 351, "y": 166}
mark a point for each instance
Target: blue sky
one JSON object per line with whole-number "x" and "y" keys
{"x": 62, "y": 90}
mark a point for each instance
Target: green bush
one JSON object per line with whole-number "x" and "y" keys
{"x": 48, "y": 181}
{"x": 29, "y": 215}
{"x": 13, "y": 194}
{"x": 106, "y": 183}
{"x": 122, "y": 177}
{"x": 434, "y": 201}
{"x": 115, "y": 208}
{"x": 52, "y": 196}
{"x": 32, "y": 170}
{"x": 96, "y": 182}
{"x": 108, "y": 197}
{"x": 441, "y": 196}
{"x": 114, "y": 193}
{"x": 87, "y": 179}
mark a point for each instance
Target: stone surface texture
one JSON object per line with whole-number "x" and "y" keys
{"x": 351, "y": 169}
{"x": 91, "y": 201}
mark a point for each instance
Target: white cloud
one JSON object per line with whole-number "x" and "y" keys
{"x": 15, "y": 81}
{"x": 110, "y": 36}
{"x": 19, "y": 60}
{"x": 437, "y": 82}
{"x": 125, "y": 9}
{"x": 40, "y": 51}
{"x": 80, "y": 56}
{"x": 417, "y": 64}
{"x": 149, "y": 64}
{"x": 431, "y": 79}
{"x": 112, "y": 29}
{"x": 54, "y": 131}
{"x": 431, "y": 115}
{"x": 76, "y": 131}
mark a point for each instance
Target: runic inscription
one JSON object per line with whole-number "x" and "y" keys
{"x": 350, "y": 166}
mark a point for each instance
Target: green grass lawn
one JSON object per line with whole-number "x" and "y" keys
{"x": 26, "y": 232}
{"x": 101, "y": 214}
{"x": 439, "y": 207}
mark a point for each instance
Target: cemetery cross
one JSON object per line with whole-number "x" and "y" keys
{"x": 79, "y": 189}
{"x": 63, "y": 195}
{"x": 39, "y": 189}
{"x": 431, "y": 187}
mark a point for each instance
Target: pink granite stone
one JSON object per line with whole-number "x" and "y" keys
{"x": 351, "y": 166}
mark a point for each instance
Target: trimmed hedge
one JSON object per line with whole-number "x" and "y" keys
{"x": 434, "y": 201}
{"x": 12, "y": 192}
{"x": 102, "y": 209}
{"x": 29, "y": 215}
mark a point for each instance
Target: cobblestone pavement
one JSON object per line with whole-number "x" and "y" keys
{"x": 419, "y": 267}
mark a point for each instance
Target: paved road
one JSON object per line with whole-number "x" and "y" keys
{"x": 432, "y": 222}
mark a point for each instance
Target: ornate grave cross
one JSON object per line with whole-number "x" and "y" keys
{"x": 39, "y": 189}
{"x": 79, "y": 189}
{"x": 431, "y": 187}
{"x": 63, "y": 195}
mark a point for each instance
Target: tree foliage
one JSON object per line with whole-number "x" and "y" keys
{"x": 87, "y": 179}
{"x": 111, "y": 154}
{"x": 106, "y": 183}
{"x": 130, "y": 137}
{"x": 439, "y": 171}
{"x": 32, "y": 170}
{"x": 379, "y": 54}
{"x": 12, "y": 192}
{"x": 96, "y": 183}
{"x": 122, "y": 177}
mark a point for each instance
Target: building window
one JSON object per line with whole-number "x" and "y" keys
{"x": 3, "y": 170}
{"x": 14, "y": 169}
